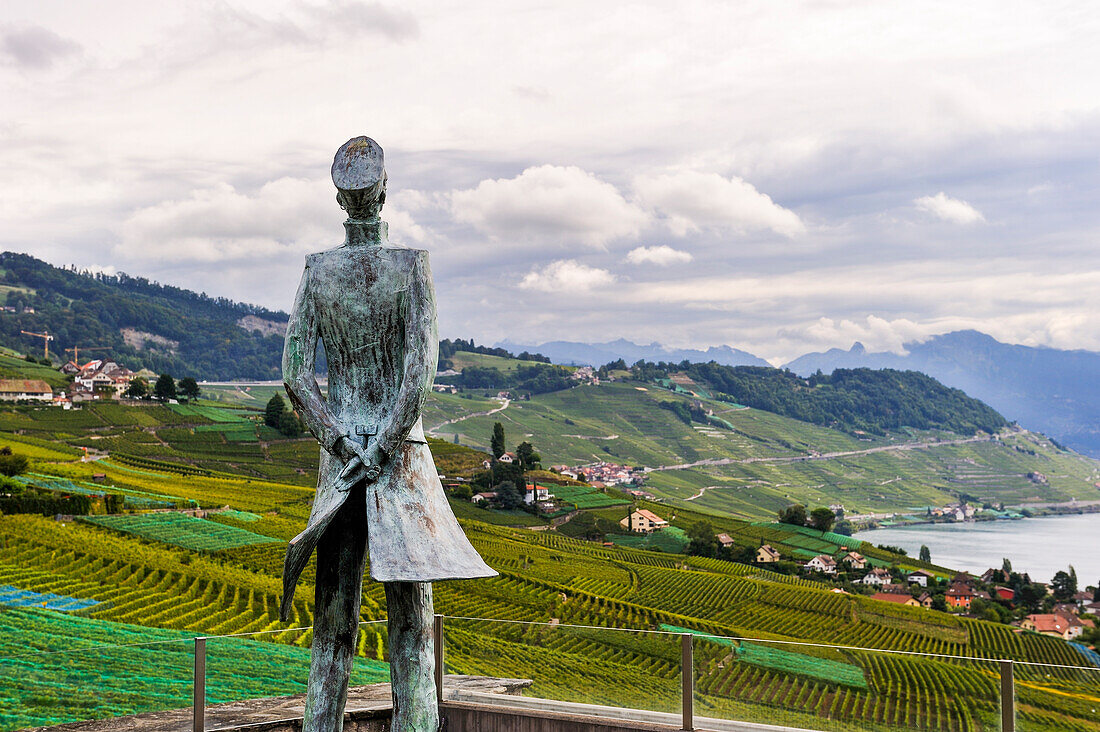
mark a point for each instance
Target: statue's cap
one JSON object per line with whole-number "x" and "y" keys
{"x": 358, "y": 165}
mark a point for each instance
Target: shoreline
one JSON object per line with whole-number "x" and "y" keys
{"x": 1028, "y": 510}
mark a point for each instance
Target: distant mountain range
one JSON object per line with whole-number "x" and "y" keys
{"x": 1045, "y": 389}
{"x": 572, "y": 353}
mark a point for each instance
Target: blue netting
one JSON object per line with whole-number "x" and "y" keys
{"x": 15, "y": 597}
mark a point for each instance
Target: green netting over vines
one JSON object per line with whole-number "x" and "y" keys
{"x": 181, "y": 530}
{"x": 57, "y": 668}
{"x": 764, "y": 656}
{"x": 672, "y": 540}
{"x": 583, "y": 496}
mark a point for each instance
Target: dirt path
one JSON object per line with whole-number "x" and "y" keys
{"x": 822, "y": 456}
{"x": 594, "y": 437}
{"x": 504, "y": 405}
{"x": 702, "y": 492}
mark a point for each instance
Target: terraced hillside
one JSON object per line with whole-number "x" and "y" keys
{"x": 549, "y": 579}
{"x": 124, "y": 577}
{"x": 751, "y": 463}
{"x": 743, "y": 462}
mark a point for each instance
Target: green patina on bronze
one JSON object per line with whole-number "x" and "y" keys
{"x": 372, "y": 304}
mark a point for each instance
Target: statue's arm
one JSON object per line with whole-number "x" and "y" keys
{"x": 299, "y": 376}
{"x": 421, "y": 353}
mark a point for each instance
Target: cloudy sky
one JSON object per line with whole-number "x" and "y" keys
{"x": 775, "y": 176}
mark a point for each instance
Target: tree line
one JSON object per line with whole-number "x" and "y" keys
{"x": 874, "y": 401}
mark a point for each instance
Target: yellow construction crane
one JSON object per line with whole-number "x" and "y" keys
{"x": 46, "y": 338}
{"x": 77, "y": 349}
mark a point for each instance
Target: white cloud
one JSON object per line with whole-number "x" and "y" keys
{"x": 877, "y": 334}
{"x": 662, "y": 255}
{"x": 950, "y": 209}
{"x": 552, "y": 204}
{"x": 694, "y": 201}
{"x": 403, "y": 228}
{"x": 221, "y": 223}
{"x": 566, "y": 276}
{"x": 196, "y": 106}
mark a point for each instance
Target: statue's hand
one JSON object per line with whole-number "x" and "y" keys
{"x": 357, "y": 458}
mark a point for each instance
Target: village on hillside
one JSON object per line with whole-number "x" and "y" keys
{"x": 100, "y": 378}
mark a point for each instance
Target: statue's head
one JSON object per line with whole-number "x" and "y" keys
{"x": 359, "y": 172}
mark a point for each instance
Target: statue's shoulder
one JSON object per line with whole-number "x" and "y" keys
{"x": 326, "y": 255}
{"x": 319, "y": 258}
{"x": 339, "y": 256}
{"x": 404, "y": 255}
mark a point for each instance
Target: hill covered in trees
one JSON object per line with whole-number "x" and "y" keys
{"x": 145, "y": 324}
{"x": 852, "y": 400}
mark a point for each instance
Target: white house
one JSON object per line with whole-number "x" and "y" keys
{"x": 919, "y": 577}
{"x": 536, "y": 493}
{"x": 876, "y": 576}
{"x": 855, "y": 560}
{"x": 14, "y": 390}
{"x": 822, "y": 563}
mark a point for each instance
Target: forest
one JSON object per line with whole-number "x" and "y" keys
{"x": 852, "y": 400}
{"x": 201, "y": 335}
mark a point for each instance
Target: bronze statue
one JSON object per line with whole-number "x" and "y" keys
{"x": 372, "y": 304}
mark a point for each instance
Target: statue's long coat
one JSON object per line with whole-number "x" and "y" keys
{"x": 373, "y": 307}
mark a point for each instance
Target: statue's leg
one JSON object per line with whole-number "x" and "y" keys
{"x": 341, "y": 556}
{"x": 412, "y": 656}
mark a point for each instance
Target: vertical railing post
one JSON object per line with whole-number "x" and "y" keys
{"x": 439, "y": 659}
{"x": 1008, "y": 698}
{"x": 198, "y": 720}
{"x": 687, "y": 681}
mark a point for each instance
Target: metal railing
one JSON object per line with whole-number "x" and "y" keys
{"x": 1006, "y": 667}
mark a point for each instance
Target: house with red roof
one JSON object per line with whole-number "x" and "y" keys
{"x": 896, "y": 598}
{"x": 643, "y": 521}
{"x": 1053, "y": 624}
{"x": 959, "y": 595}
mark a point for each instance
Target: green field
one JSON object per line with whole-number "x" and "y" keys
{"x": 759, "y": 464}
{"x": 767, "y": 462}
{"x": 465, "y": 359}
{"x": 14, "y": 367}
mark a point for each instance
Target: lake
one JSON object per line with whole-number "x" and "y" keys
{"x": 1038, "y": 546}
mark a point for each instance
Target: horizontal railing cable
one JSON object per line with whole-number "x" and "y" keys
{"x": 669, "y": 633}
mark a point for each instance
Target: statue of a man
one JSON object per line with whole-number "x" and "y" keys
{"x": 373, "y": 306}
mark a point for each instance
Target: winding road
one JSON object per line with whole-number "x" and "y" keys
{"x": 504, "y": 405}
{"x": 821, "y": 456}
